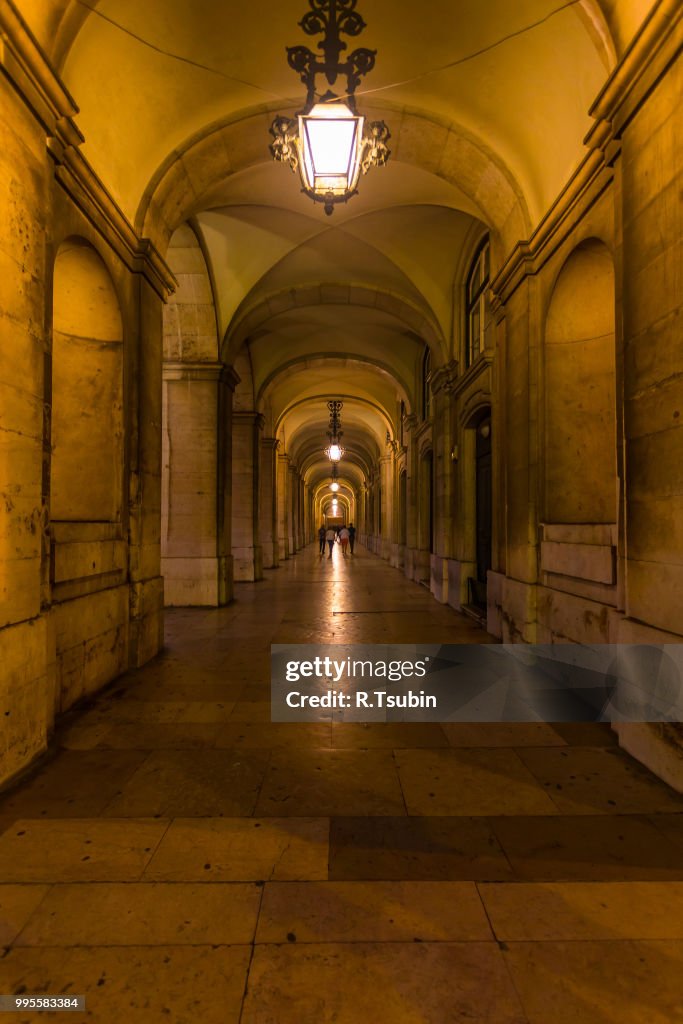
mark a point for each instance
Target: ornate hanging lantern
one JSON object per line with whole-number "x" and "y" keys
{"x": 334, "y": 450}
{"x": 328, "y": 142}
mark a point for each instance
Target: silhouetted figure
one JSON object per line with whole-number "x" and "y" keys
{"x": 352, "y": 536}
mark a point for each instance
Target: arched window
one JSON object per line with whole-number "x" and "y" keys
{"x": 427, "y": 384}
{"x": 479, "y": 323}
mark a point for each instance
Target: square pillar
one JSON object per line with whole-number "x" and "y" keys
{"x": 270, "y": 548}
{"x": 246, "y": 547}
{"x": 283, "y": 505}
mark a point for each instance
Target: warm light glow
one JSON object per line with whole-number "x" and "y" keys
{"x": 330, "y": 144}
{"x": 334, "y": 487}
{"x": 334, "y": 453}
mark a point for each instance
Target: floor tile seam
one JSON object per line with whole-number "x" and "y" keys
{"x": 400, "y": 784}
{"x": 48, "y": 889}
{"x": 168, "y": 822}
{"x": 516, "y": 988}
{"x": 103, "y": 810}
{"x": 489, "y": 820}
{"x": 286, "y": 943}
{"x": 148, "y": 882}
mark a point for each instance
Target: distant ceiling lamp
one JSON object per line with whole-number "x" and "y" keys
{"x": 327, "y": 142}
{"x": 334, "y": 450}
{"x": 334, "y": 486}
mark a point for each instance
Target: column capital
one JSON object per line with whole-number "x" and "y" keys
{"x": 443, "y": 379}
{"x": 270, "y": 442}
{"x": 230, "y": 377}
{"x": 191, "y": 371}
{"x": 249, "y": 417}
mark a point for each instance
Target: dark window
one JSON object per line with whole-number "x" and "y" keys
{"x": 479, "y": 321}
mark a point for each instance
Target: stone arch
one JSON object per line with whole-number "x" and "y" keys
{"x": 87, "y": 426}
{"x": 190, "y": 325}
{"x": 192, "y": 178}
{"x": 580, "y": 470}
{"x": 250, "y": 319}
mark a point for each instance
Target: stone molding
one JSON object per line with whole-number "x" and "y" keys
{"x": 473, "y": 373}
{"x": 445, "y": 377}
{"x": 25, "y": 64}
{"x": 192, "y": 371}
{"x": 250, "y": 417}
{"x": 650, "y": 54}
{"x": 652, "y": 51}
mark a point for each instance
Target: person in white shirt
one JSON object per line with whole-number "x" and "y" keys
{"x": 344, "y": 539}
{"x": 330, "y": 537}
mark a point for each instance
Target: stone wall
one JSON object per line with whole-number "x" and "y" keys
{"x": 80, "y": 414}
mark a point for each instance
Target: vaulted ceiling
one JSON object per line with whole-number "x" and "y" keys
{"x": 487, "y": 102}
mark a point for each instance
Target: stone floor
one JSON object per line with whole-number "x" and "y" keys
{"x": 180, "y": 858}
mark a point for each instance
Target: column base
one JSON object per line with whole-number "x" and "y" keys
{"x": 27, "y": 693}
{"x": 146, "y": 621}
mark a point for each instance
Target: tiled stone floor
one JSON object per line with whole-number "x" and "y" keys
{"x": 181, "y": 858}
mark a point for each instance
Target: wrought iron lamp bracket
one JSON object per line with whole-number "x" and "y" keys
{"x": 332, "y": 19}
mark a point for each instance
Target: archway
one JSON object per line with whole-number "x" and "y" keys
{"x": 580, "y": 380}
{"x": 87, "y": 389}
{"x": 89, "y": 556}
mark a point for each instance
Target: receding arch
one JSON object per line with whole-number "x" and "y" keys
{"x": 187, "y": 182}
{"x": 251, "y": 319}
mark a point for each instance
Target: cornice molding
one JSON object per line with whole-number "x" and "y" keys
{"x": 582, "y": 191}
{"x": 479, "y": 368}
{"x": 649, "y": 55}
{"x": 26, "y": 66}
{"x": 652, "y": 51}
{"x": 444, "y": 377}
{"x": 191, "y": 371}
{"x": 140, "y": 255}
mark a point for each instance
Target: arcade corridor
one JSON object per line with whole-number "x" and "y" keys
{"x": 181, "y": 857}
{"x": 271, "y": 269}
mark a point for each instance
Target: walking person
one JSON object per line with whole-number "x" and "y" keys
{"x": 352, "y": 536}
{"x": 330, "y": 537}
{"x": 321, "y": 539}
{"x": 344, "y": 539}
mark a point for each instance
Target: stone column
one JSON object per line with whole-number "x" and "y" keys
{"x": 386, "y": 524}
{"x": 246, "y": 547}
{"x": 293, "y": 506}
{"x": 283, "y": 505}
{"x": 27, "y": 672}
{"x": 227, "y": 383}
{"x": 193, "y": 563}
{"x": 268, "y": 503}
{"x": 147, "y": 585}
{"x": 412, "y": 495}
{"x": 442, "y": 383}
